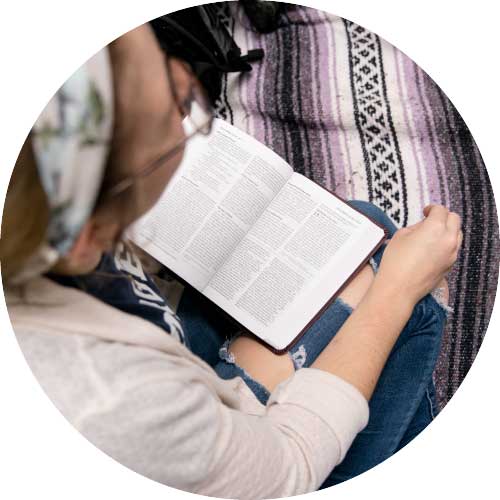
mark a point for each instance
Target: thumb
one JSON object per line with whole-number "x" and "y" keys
{"x": 427, "y": 209}
{"x": 409, "y": 229}
{"x": 405, "y": 230}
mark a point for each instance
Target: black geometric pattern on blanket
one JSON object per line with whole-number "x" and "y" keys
{"x": 372, "y": 112}
{"x": 351, "y": 112}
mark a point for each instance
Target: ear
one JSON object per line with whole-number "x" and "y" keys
{"x": 84, "y": 245}
{"x": 95, "y": 237}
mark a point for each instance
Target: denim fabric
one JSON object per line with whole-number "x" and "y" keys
{"x": 204, "y": 325}
{"x": 403, "y": 403}
{"x": 209, "y": 332}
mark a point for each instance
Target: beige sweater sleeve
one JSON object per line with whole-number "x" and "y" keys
{"x": 172, "y": 428}
{"x": 309, "y": 423}
{"x": 142, "y": 398}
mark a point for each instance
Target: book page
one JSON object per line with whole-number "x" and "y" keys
{"x": 225, "y": 182}
{"x": 297, "y": 255}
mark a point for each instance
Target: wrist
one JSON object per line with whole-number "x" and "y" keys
{"x": 388, "y": 298}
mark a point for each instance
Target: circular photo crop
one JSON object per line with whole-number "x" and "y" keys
{"x": 249, "y": 250}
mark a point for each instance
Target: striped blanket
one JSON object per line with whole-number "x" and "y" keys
{"x": 353, "y": 113}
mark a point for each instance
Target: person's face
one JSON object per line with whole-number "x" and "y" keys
{"x": 147, "y": 124}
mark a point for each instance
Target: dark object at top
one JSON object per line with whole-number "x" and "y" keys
{"x": 263, "y": 15}
{"x": 198, "y": 36}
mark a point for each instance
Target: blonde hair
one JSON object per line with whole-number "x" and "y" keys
{"x": 25, "y": 215}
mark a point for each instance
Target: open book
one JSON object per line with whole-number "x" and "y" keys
{"x": 265, "y": 244}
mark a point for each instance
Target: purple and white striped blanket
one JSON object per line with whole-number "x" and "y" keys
{"x": 353, "y": 113}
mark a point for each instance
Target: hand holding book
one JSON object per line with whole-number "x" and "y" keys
{"x": 419, "y": 256}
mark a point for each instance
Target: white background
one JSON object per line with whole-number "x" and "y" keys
{"x": 42, "y": 42}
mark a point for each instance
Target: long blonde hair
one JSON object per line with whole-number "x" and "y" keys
{"x": 25, "y": 215}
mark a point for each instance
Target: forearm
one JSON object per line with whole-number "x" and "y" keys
{"x": 295, "y": 444}
{"x": 360, "y": 349}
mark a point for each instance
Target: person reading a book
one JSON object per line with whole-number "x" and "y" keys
{"x": 149, "y": 386}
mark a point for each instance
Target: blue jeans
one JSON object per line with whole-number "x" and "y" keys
{"x": 404, "y": 400}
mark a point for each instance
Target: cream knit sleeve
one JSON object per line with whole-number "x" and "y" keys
{"x": 161, "y": 411}
{"x": 172, "y": 427}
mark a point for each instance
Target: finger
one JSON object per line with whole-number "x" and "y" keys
{"x": 409, "y": 229}
{"x": 427, "y": 209}
{"x": 437, "y": 213}
{"x": 454, "y": 222}
{"x": 412, "y": 227}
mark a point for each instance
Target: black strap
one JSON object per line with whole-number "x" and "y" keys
{"x": 198, "y": 36}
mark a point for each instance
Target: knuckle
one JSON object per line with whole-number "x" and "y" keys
{"x": 457, "y": 218}
{"x": 451, "y": 241}
{"x": 439, "y": 232}
{"x": 437, "y": 224}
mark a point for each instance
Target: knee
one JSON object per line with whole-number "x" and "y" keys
{"x": 375, "y": 213}
{"x": 362, "y": 205}
{"x": 442, "y": 294}
{"x": 366, "y": 207}
{"x": 260, "y": 363}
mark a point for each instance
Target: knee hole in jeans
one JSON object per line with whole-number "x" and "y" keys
{"x": 257, "y": 361}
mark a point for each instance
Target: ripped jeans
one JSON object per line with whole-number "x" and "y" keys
{"x": 404, "y": 400}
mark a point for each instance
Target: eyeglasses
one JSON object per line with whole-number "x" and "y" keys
{"x": 193, "y": 105}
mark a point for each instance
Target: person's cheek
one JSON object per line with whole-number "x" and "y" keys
{"x": 162, "y": 176}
